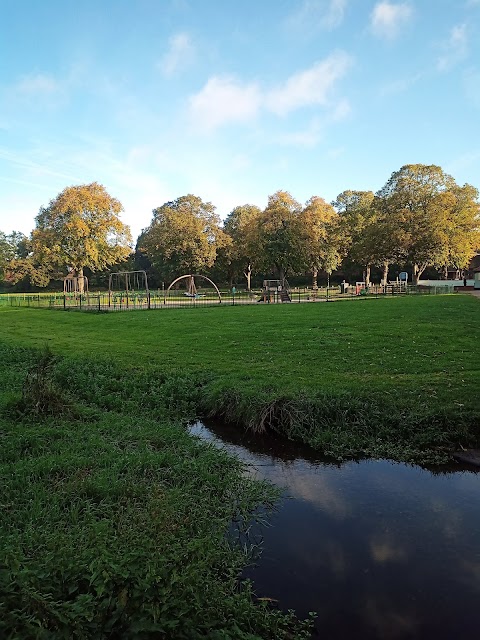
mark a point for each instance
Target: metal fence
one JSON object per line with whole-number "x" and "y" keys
{"x": 132, "y": 301}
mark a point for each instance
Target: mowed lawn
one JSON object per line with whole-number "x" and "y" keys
{"x": 426, "y": 346}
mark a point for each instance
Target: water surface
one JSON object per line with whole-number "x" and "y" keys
{"x": 378, "y": 549}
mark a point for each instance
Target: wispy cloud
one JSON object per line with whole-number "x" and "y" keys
{"x": 314, "y": 133}
{"x": 225, "y": 99}
{"x": 317, "y": 14}
{"x": 309, "y": 87}
{"x": 36, "y": 84}
{"x": 400, "y": 85}
{"x": 455, "y": 48}
{"x": 308, "y": 137}
{"x": 388, "y": 18}
{"x": 179, "y": 55}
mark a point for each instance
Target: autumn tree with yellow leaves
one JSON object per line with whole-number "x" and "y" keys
{"x": 80, "y": 228}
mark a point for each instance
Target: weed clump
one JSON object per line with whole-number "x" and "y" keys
{"x": 41, "y": 395}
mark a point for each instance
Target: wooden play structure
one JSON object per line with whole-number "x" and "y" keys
{"x": 275, "y": 291}
{"x": 75, "y": 285}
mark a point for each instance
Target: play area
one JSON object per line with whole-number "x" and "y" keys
{"x": 275, "y": 291}
{"x": 130, "y": 290}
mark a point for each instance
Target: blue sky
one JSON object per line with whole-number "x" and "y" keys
{"x": 231, "y": 100}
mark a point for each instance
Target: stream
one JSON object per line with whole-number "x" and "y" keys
{"x": 378, "y": 549}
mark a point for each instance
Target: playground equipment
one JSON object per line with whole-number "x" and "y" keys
{"x": 128, "y": 287}
{"x": 360, "y": 288}
{"x": 476, "y": 284}
{"x": 75, "y": 285}
{"x": 275, "y": 291}
{"x": 191, "y": 290}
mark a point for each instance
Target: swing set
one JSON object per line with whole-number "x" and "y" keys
{"x": 125, "y": 287}
{"x": 191, "y": 288}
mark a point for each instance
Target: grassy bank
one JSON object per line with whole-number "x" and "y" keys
{"x": 114, "y": 521}
{"x": 396, "y": 377}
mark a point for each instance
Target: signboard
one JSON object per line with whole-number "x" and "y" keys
{"x": 403, "y": 275}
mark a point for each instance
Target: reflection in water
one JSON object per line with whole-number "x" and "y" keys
{"x": 378, "y": 549}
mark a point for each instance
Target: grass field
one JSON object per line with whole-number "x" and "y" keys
{"x": 315, "y": 372}
{"x": 115, "y": 523}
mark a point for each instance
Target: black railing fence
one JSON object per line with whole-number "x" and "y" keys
{"x": 132, "y": 301}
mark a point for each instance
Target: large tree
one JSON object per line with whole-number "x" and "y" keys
{"x": 79, "y": 228}
{"x": 183, "y": 237}
{"x": 241, "y": 226}
{"x": 432, "y": 219}
{"x": 362, "y": 231}
{"x": 319, "y": 227}
{"x": 281, "y": 241}
{"x": 5, "y": 254}
{"x": 14, "y": 262}
{"x": 464, "y": 227}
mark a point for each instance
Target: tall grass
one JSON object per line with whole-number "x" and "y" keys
{"x": 114, "y": 521}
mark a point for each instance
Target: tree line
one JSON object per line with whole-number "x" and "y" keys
{"x": 420, "y": 218}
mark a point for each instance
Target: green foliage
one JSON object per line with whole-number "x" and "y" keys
{"x": 323, "y": 241}
{"x": 117, "y": 526}
{"x": 79, "y": 228}
{"x": 13, "y": 255}
{"x": 279, "y": 239}
{"x": 183, "y": 237}
{"x": 429, "y": 219}
{"x": 241, "y": 226}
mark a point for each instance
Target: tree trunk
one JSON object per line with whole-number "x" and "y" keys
{"x": 367, "y": 275}
{"x": 315, "y": 278}
{"x": 248, "y": 275}
{"x": 417, "y": 272}
{"x": 385, "y": 273}
{"x": 80, "y": 281}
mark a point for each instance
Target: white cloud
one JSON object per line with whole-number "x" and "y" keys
{"x": 314, "y": 133}
{"x": 179, "y": 55}
{"x": 388, "y": 18}
{"x": 401, "y": 85}
{"x": 341, "y": 111}
{"x": 38, "y": 83}
{"x": 224, "y": 100}
{"x": 308, "y": 137}
{"x": 455, "y": 48}
{"x": 335, "y": 13}
{"x": 309, "y": 87}
{"x": 317, "y": 14}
